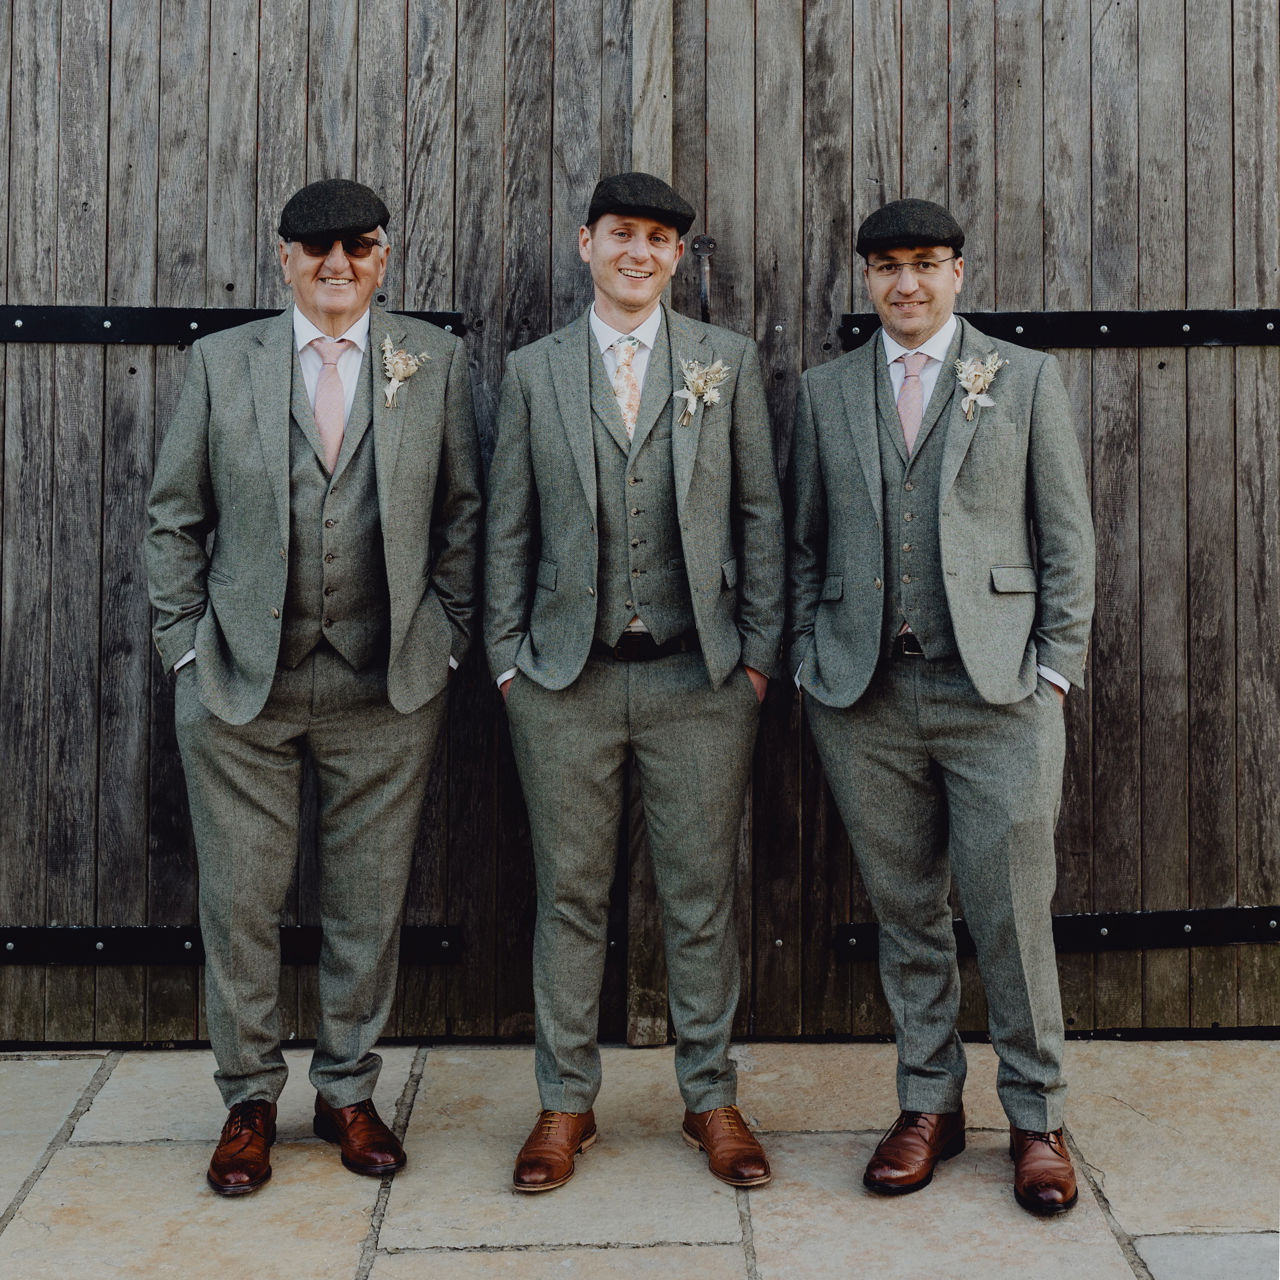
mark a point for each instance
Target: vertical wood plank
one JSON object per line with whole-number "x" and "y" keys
{"x": 573, "y": 86}
{"x": 1256, "y": 72}
{"x": 779, "y": 302}
{"x": 30, "y": 392}
{"x": 129, "y": 430}
{"x": 877, "y": 106}
{"x": 973, "y": 148}
{"x": 1162, "y": 497}
{"x": 1067, "y": 258}
{"x": 616, "y": 87}
{"x": 77, "y": 514}
{"x": 1117, "y": 627}
{"x": 429, "y": 226}
{"x": 332, "y": 89}
{"x": 478, "y": 257}
{"x": 652, "y": 87}
{"x": 688, "y": 133}
{"x": 926, "y": 40}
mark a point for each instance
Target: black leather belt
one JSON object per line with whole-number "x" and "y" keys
{"x": 640, "y": 646}
{"x": 906, "y": 645}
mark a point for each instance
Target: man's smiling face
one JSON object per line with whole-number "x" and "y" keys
{"x": 333, "y": 292}
{"x": 914, "y": 304}
{"x": 632, "y": 260}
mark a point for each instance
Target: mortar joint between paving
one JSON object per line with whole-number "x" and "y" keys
{"x": 1130, "y": 1251}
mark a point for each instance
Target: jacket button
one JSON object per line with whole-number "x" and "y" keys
{"x": 275, "y": 613}
{"x": 908, "y": 516}
{"x": 909, "y": 487}
{"x": 906, "y": 546}
{"x": 328, "y": 524}
{"x": 330, "y": 590}
{"x": 635, "y": 511}
{"x": 591, "y": 591}
{"x": 328, "y": 622}
{"x": 284, "y": 555}
{"x": 632, "y": 480}
{"x": 635, "y": 573}
{"x": 878, "y": 584}
{"x": 328, "y": 559}
{"x": 906, "y": 577}
{"x": 635, "y": 542}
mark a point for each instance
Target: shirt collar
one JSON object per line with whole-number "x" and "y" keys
{"x": 646, "y": 333}
{"x": 305, "y": 332}
{"x": 936, "y": 348}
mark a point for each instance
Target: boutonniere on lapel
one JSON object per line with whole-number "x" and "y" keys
{"x": 976, "y": 376}
{"x": 700, "y": 383}
{"x": 399, "y": 366}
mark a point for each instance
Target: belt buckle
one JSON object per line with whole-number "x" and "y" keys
{"x": 908, "y": 645}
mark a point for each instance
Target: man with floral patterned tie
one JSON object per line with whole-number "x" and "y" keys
{"x": 941, "y": 590}
{"x": 331, "y": 453}
{"x": 633, "y": 572}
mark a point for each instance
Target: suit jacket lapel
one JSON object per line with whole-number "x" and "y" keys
{"x": 944, "y": 390}
{"x": 959, "y": 431}
{"x": 273, "y": 373}
{"x": 657, "y": 389}
{"x": 362, "y": 416}
{"x": 387, "y": 423}
{"x": 569, "y": 366}
{"x": 859, "y": 392}
{"x": 604, "y": 404}
{"x": 686, "y": 344}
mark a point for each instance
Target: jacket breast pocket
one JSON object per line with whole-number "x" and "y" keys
{"x": 546, "y": 575}
{"x": 1013, "y": 577}
{"x": 833, "y": 588}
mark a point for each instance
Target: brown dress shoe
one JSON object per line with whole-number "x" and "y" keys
{"x": 1043, "y": 1180}
{"x": 545, "y": 1161}
{"x": 733, "y": 1154}
{"x": 368, "y": 1146}
{"x": 906, "y": 1156}
{"x": 242, "y": 1161}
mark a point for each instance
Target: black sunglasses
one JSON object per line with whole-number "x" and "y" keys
{"x": 352, "y": 246}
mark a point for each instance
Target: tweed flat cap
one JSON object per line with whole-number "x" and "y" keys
{"x": 643, "y": 195}
{"x": 332, "y": 207}
{"x": 906, "y": 224}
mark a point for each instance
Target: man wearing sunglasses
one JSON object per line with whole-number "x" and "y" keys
{"x": 312, "y": 561}
{"x": 941, "y": 592}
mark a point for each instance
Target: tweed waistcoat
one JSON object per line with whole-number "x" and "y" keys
{"x": 914, "y": 588}
{"x": 641, "y": 569}
{"x": 337, "y": 572}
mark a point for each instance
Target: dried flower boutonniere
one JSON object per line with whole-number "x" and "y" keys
{"x": 399, "y": 366}
{"x": 700, "y": 383}
{"x": 976, "y": 376}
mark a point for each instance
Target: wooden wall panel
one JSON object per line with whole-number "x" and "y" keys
{"x": 1109, "y": 153}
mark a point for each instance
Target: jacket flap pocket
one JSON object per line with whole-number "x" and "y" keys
{"x": 833, "y": 588}
{"x": 546, "y": 575}
{"x": 1013, "y": 577}
{"x": 730, "y": 571}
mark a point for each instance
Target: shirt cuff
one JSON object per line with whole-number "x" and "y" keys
{"x": 189, "y": 656}
{"x": 799, "y": 669}
{"x": 505, "y": 676}
{"x": 453, "y": 663}
{"x": 1054, "y": 678}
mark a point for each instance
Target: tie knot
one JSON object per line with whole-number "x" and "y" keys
{"x": 914, "y": 363}
{"x": 626, "y": 349}
{"x": 330, "y": 349}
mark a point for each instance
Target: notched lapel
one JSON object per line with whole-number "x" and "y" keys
{"x": 569, "y": 369}
{"x": 274, "y": 373}
{"x": 604, "y": 404}
{"x": 686, "y": 344}
{"x": 388, "y": 423}
{"x": 859, "y": 393}
{"x": 959, "y": 430}
{"x": 656, "y": 397}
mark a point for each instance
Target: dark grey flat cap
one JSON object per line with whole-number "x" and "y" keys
{"x": 908, "y": 224}
{"x": 332, "y": 207}
{"x": 644, "y": 196}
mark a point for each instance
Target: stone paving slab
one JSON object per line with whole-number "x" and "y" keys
{"x": 1180, "y": 1134}
{"x": 815, "y": 1221}
{"x": 638, "y": 1185}
{"x": 666, "y": 1262}
{"x": 122, "y": 1212}
{"x": 169, "y": 1095}
{"x": 36, "y": 1097}
{"x": 833, "y": 1088}
{"x": 1240, "y": 1257}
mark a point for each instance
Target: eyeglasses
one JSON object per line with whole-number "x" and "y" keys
{"x": 925, "y": 268}
{"x": 352, "y": 246}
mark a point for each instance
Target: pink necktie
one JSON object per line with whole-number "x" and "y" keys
{"x": 625, "y": 386}
{"x": 331, "y": 401}
{"x": 911, "y": 397}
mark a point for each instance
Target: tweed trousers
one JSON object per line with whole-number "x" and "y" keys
{"x": 932, "y": 783}
{"x": 693, "y": 747}
{"x": 244, "y": 784}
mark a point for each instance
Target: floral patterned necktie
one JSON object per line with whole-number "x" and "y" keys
{"x": 625, "y": 387}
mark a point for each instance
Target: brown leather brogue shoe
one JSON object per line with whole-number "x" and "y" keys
{"x": 733, "y": 1153}
{"x": 905, "y": 1158}
{"x": 242, "y": 1161}
{"x": 1043, "y": 1180}
{"x": 368, "y": 1146}
{"x": 546, "y": 1160}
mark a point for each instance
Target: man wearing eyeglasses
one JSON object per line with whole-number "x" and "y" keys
{"x": 312, "y": 561}
{"x": 942, "y": 566}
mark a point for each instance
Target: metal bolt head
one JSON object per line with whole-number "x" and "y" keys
{"x": 1102, "y": 328}
{"x": 444, "y": 944}
{"x": 186, "y": 946}
{"x": 194, "y": 325}
{"x": 17, "y": 324}
{"x": 1186, "y": 328}
{"x": 8, "y": 946}
{"x": 1103, "y": 931}
{"x": 1186, "y": 928}
{"x": 106, "y": 324}
{"x": 1018, "y": 329}
{"x": 777, "y": 942}
{"x": 97, "y": 946}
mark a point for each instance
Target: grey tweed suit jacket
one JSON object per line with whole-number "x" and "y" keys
{"x": 542, "y": 548}
{"x": 223, "y": 468}
{"x": 1016, "y": 535}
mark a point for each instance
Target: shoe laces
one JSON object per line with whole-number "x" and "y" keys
{"x": 247, "y": 1115}
{"x": 728, "y": 1117}
{"x": 551, "y": 1120}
